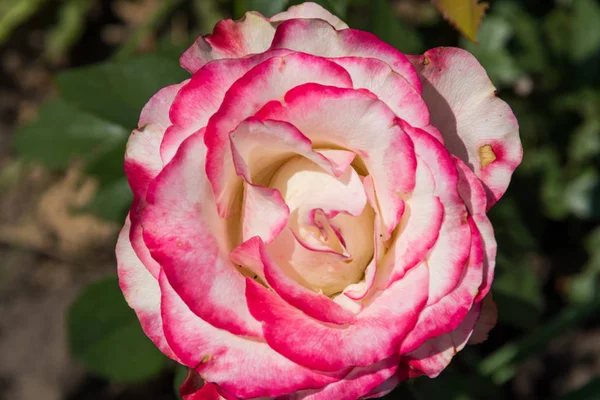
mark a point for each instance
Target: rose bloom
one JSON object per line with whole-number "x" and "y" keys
{"x": 309, "y": 215}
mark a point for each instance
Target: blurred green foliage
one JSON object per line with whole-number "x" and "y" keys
{"x": 543, "y": 56}
{"x": 105, "y": 335}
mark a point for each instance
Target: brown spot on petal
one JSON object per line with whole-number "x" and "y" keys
{"x": 486, "y": 155}
{"x": 426, "y": 61}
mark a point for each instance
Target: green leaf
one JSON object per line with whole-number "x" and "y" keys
{"x": 583, "y": 195}
{"x": 105, "y": 335}
{"x": 112, "y": 201}
{"x": 585, "y": 40}
{"x": 503, "y": 363}
{"x": 518, "y": 293}
{"x": 389, "y": 28}
{"x": 62, "y": 132}
{"x": 268, "y": 8}
{"x": 117, "y": 91}
{"x": 491, "y": 51}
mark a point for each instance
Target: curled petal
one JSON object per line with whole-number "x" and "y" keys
{"x": 375, "y": 335}
{"x": 346, "y": 118}
{"x": 230, "y": 39}
{"x": 313, "y": 304}
{"x": 265, "y": 213}
{"x": 267, "y": 81}
{"x": 486, "y": 321}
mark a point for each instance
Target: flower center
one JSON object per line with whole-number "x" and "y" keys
{"x": 328, "y": 241}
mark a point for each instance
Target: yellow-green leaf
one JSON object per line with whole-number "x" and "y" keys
{"x": 465, "y": 15}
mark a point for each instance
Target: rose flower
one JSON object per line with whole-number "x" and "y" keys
{"x": 309, "y": 215}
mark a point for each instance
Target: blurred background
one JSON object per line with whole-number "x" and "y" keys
{"x": 74, "y": 75}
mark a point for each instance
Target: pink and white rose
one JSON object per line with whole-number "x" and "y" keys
{"x": 309, "y": 215}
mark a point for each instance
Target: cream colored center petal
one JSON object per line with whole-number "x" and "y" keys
{"x": 329, "y": 238}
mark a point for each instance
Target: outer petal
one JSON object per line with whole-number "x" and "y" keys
{"x": 390, "y": 384}
{"x": 375, "y": 335}
{"x": 353, "y": 120}
{"x": 474, "y": 196}
{"x": 435, "y": 354}
{"x": 445, "y": 315}
{"x": 141, "y": 291}
{"x": 449, "y": 255}
{"x": 242, "y": 367}
{"x": 230, "y": 39}
{"x": 267, "y": 81}
{"x": 477, "y": 127}
{"x": 389, "y": 86}
{"x": 309, "y": 10}
{"x": 156, "y": 111}
{"x": 186, "y": 237}
{"x": 314, "y": 36}
{"x": 486, "y": 321}
{"x": 358, "y": 383}
{"x": 142, "y": 164}
{"x": 197, "y": 101}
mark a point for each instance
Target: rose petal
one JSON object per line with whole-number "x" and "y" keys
{"x": 318, "y": 37}
{"x": 198, "y": 100}
{"x": 486, "y": 321}
{"x": 309, "y": 10}
{"x": 313, "y": 304}
{"x": 389, "y": 86}
{"x": 474, "y": 196}
{"x": 230, "y": 39}
{"x": 156, "y": 110}
{"x": 260, "y": 147}
{"x": 337, "y": 117}
{"x": 265, "y": 213}
{"x": 359, "y": 382}
{"x": 243, "y": 367}
{"x": 141, "y": 291}
{"x": 435, "y": 354}
{"x": 375, "y": 335}
{"x": 267, "y": 81}
{"x": 448, "y": 256}
{"x": 186, "y": 237}
{"x": 477, "y": 126}
{"x": 445, "y": 315}
{"x": 142, "y": 164}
